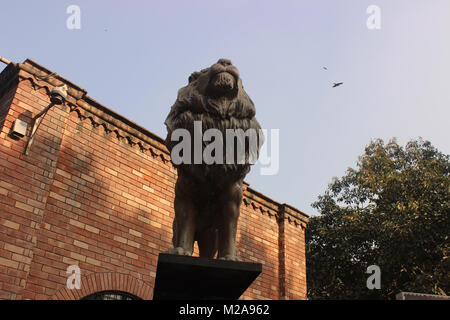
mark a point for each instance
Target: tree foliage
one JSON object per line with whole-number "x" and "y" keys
{"x": 391, "y": 211}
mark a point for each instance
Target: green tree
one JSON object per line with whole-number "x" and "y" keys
{"x": 391, "y": 211}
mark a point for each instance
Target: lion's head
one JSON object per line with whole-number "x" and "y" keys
{"x": 216, "y": 91}
{"x": 215, "y": 96}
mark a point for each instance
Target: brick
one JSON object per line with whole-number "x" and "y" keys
{"x": 164, "y": 201}
{"x": 155, "y": 224}
{"x": 77, "y": 256}
{"x": 21, "y": 258}
{"x": 3, "y": 191}
{"x": 149, "y": 189}
{"x": 80, "y": 244}
{"x": 63, "y": 173}
{"x": 73, "y": 203}
{"x": 135, "y": 233}
{"x": 92, "y": 229}
{"x": 60, "y": 185}
{"x": 110, "y": 171}
{"x": 77, "y": 223}
{"x": 128, "y": 196}
{"x": 6, "y": 185}
{"x": 93, "y": 261}
{"x": 131, "y": 255}
{"x": 14, "y": 248}
{"x": 88, "y": 178}
{"x": 137, "y": 173}
{"x": 57, "y": 196}
{"x": 143, "y": 219}
{"x": 133, "y": 244}
{"x": 8, "y": 263}
{"x": 69, "y": 261}
{"x": 11, "y": 224}
{"x": 102, "y": 214}
{"x": 120, "y": 239}
{"x": 24, "y": 206}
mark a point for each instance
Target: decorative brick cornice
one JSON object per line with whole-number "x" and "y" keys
{"x": 122, "y": 132}
{"x": 293, "y": 215}
{"x": 99, "y": 115}
{"x": 266, "y": 205}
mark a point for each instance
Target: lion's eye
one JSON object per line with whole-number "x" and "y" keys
{"x": 193, "y": 77}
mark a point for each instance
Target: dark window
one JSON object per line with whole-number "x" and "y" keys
{"x": 111, "y": 295}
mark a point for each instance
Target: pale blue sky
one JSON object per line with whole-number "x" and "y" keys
{"x": 133, "y": 56}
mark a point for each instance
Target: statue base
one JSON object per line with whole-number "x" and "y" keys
{"x": 189, "y": 278}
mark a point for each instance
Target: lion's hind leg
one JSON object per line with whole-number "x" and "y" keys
{"x": 229, "y": 205}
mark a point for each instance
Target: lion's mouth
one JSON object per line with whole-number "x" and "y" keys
{"x": 223, "y": 82}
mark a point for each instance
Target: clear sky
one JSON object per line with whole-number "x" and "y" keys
{"x": 133, "y": 56}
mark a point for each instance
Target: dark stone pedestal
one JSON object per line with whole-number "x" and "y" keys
{"x": 188, "y": 278}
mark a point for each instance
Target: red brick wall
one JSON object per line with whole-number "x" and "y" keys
{"x": 96, "y": 191}
{"x": 294, "y": 247}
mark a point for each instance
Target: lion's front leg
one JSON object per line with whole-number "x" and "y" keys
{"x": 228, "y": 221}
{"x": 184, "y": 226}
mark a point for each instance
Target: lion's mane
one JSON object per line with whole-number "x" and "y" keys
{"x": 196, "y": 102}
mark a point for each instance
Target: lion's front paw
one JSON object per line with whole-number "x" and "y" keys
{"x": 179, "y": 251}
{"x": 230, "y": 257}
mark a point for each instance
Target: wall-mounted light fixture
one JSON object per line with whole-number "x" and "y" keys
{"x": 57, "y": 96}
{"x": 19, "y": 129}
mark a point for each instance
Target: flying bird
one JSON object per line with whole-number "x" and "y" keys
{"x": 325, "y": 68}
{"x": 337, "y": 84}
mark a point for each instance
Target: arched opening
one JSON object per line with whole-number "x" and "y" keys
{"x": 111, "y": 295}
{"x": 107, "y": 286}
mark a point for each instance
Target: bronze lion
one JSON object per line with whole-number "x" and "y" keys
{"x": 208, "y": 196}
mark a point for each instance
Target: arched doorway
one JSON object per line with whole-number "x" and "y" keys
{"x": 111, "y": 295}
{"x": 107, "y": 286}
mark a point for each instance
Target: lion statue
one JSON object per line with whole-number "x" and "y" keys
{"x": 208, "y": 196}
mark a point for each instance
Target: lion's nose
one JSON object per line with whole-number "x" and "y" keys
{"x": 225, "y": 62}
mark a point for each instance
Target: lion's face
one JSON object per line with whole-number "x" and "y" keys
{"x": 216, "y": 91}
{"x": 221, "y": 79}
